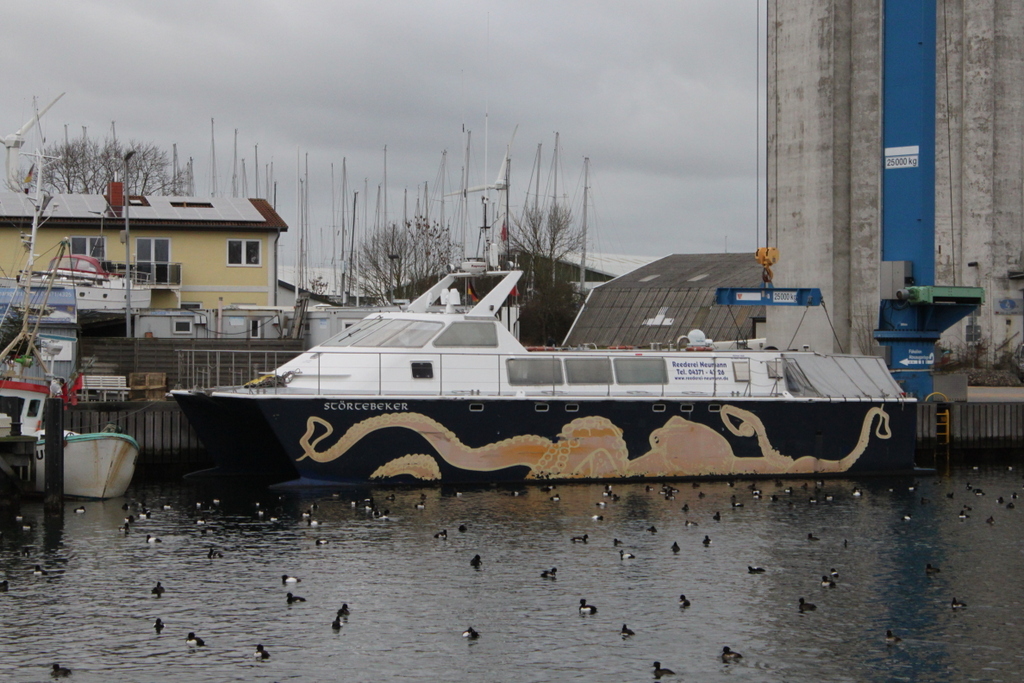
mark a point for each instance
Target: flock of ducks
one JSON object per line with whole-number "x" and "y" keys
{"x": 727, "y": 656}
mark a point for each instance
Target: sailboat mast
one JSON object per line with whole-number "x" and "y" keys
{"x": 334, "y": 233}
{"x": 583, "y": 256}
{"x": 234, "y": 166}
{"x": 344, "y": 196}
{"x": 213, "y": 162}
{"x": 352, "y": 250}
{"x": 536, "y": 192}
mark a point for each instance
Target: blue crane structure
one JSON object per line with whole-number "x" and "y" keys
{"x": 913, "y": 311}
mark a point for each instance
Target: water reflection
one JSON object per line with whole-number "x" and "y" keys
{"x": 412, "y": 595}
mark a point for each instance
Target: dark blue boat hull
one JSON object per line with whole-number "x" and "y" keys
{"x": 461, "y": 440}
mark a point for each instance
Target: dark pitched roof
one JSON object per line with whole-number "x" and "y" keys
{"x": 668, "y": 298}
{"x": 162, "y": 212}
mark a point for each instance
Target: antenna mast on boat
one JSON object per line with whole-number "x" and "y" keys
{"x": 14, "y": 142}
{"x": 40, "y": 202}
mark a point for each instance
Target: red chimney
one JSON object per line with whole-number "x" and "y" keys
{"x": 116, "y": 195}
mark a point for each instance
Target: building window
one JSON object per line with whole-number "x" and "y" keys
{"x": 152, "y": 259}
{"x": 972, "y": 333}
{"x": 89, "y": 246}
{"x": 243, "y": 252}
{"x": 254, "y": 328}
{"x": 182, "y": 326}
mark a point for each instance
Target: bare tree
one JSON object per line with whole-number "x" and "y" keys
{"x": 401, "y": 261}
{"x": 542, "y": 238}
{"x": 85, "y": 166}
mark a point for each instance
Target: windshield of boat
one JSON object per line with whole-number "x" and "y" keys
{"x": 389, "y": 333}
{"x": 468, "y": 334}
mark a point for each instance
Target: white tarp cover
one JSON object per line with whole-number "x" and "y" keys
{"x": 841, "y": 377}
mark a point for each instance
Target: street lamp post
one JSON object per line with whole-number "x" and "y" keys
{"x": 127, "y": 251}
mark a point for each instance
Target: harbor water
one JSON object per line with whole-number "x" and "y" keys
{"x": 411, "y": 595}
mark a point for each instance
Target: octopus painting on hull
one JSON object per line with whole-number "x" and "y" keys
{"x": 590, "y": 448}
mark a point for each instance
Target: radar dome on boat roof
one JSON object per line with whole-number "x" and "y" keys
{"x": 696, "y": 338}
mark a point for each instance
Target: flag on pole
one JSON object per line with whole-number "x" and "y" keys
{"x": 471, "y": 292}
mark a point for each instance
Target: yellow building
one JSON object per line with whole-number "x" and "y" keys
{"x": 190, "y": 252}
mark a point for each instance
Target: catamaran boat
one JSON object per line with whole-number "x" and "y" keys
{"x": 452, "y": 396}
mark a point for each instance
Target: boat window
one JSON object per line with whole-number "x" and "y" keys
{"x": 523, "y": 371}
{"x": 33, "y": 408}
{"x": 640, "y": 371}
{"x": 468, "y": 334}
{"x": 741, "y": 369}
{"x": 797, "y": 382}
{"x": 422, "y": 369}
{"x": 399, "y": 333}
{"x": 414, "y": 334}
{"x": 588, "y": 371}
{"x": 355, "y": 332}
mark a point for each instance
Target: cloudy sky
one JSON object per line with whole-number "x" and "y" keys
{"x": 661, "y": 95}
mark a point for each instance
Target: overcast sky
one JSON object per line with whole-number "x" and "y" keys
{"x": 660, "y": 95}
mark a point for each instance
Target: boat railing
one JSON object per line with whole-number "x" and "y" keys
{"x": 206, "y": 368}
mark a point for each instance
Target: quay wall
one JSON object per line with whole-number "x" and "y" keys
{"x": 168, "y": 441}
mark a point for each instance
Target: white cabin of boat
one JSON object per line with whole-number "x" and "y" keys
{"x": 417, "y": 352}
